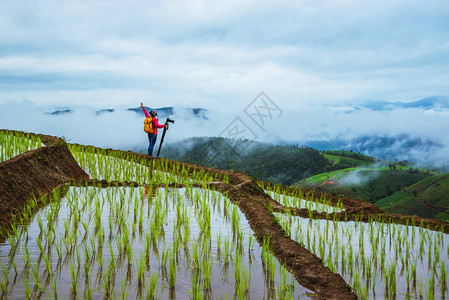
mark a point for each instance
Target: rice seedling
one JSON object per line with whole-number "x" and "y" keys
{"x": 443, "y": 278}
{"x": 47, "y": 263}
{"x": 140, "y": 269}
{"x": 173, "y": 269}
{"x": 36, "y": 277}
{"x": 13, "y": 143}
{"x": 4, "y": 283}
{"x": 152, "y": 286}
{"x": 27, "y": 288}
{"x": 243, "y": 283}
{"x": 124, "y": 294}
{"x": 74, "y": 277}
{"x": 54, "y": 288}
{"x": 195, "y": 290}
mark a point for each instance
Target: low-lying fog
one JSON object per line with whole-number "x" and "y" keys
{"x": 123, "y": 129}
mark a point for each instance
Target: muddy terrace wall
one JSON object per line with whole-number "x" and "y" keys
{"x": 35, "y": 172}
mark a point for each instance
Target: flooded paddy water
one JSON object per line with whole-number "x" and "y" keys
{"x": 379, "y": 260}
{"x": 144, "y": 242}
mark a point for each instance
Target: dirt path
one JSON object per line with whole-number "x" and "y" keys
{"x": 325, "y": 181}
{"x": 329, "y": 180}
{"x": 438, "y": 209}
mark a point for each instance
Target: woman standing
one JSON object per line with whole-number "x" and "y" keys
{"x": 151, "y": 126}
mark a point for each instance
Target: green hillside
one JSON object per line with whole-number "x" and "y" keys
{"x": 400, "y": 189}
{"x": 370, "y": 184}
{"x": 342, "y": 159}
{"x": 427, "y": 198}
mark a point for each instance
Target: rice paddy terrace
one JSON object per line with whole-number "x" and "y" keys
{"x": 83, "y": 222}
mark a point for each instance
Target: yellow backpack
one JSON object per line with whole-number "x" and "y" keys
{"x": 148, "y": 125}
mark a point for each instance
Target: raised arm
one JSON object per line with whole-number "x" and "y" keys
{"x": 144, "y": 110}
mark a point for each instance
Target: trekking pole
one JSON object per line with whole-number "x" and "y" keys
{"x": 163, "y": 134}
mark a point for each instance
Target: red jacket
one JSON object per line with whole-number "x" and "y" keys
{"x": 156, "y": 124}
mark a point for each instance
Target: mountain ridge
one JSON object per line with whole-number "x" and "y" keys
{"x": 433, "y": 102}
{"x": 163, "y": 112}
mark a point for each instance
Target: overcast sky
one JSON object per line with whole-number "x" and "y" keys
{"x": 220, "y": 54}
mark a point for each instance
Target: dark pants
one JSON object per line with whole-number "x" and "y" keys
{"x": 152, "y": 139}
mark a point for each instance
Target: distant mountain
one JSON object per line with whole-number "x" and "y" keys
{"x": 436, "y": 102}
{"x": 166, "y": 112}
{"x": 163, "y": 112}
{"x": 102, "y": 111}
{"x": 199, "y": 113}
{"x": 60, "y": 112}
